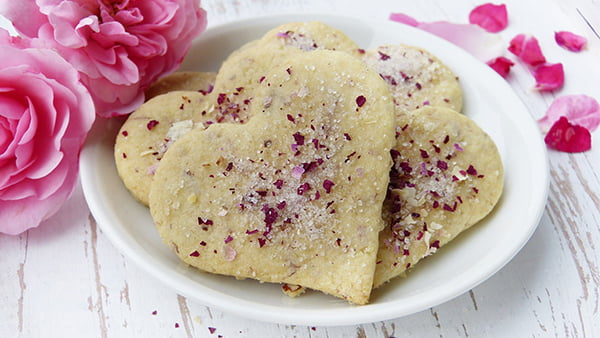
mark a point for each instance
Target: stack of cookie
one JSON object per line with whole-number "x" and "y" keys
{"x": 310, "y": 162}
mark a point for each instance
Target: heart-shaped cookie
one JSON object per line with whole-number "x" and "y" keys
{"x": 294, "y": 195}
{"x": 416, "y": 77}
{"x": 447, "y": 176}
{"x": 150, "y": 130}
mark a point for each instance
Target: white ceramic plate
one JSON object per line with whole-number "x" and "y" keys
{"x": 456, "y": 268}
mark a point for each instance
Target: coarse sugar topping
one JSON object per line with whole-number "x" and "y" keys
{"x": 288, "y": 191}
{"x": 425, "y": 178}
{"x": 298, "y": 40}
{"x": 300, "y": 186}
{"x": 447, "y": 175}
{"x": 415, "y": 77}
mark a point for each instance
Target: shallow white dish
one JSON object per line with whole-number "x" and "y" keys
{"x": 456, "y": 268}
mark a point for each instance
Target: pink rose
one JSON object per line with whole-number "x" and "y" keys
{"x": 45, "y": 114}
{"x": 119, "y": 47}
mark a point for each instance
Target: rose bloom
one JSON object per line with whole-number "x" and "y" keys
{"x": 120, "y": 47}
{"x": 45, "y": 114}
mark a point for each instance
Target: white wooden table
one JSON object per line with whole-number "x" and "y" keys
{"x": 65, "y": 279}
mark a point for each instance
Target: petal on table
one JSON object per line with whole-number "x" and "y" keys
{"x": 493, "y": 18}
{"x": 570, "y": 41}
{"x": 527, "y": 48}
{"x": 472, "y": 38}
{"x": 567, "y": 137}
{"x": 582, "y": 110}
{"x": 549, "y": 76}
{"x": 501, "y": 65}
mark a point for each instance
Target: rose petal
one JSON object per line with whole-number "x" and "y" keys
{"x": 567, "y": 137}
{"x": 405, "y": 19}
{"x": 472, "y": 38}
{"x": 527, "y": 48}
{"x": 501, "y": 65}
{"x": 549, "y": 76}
{"x": 15, "y": 11}
{"x": 297, "y": 171}
{"x": 570, "y": 41}
{"x": 582, "y": 110}
{"x": 492, "y": 18}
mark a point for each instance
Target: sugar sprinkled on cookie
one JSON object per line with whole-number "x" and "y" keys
{"x": 416, "y": 77}
{"x": 148, "y": 132}
{"x": 447, "y": 176}
{"x": 293, "y": 196}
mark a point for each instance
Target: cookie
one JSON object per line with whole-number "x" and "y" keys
{"x": 416, "y": 77}
{"x": 192, "y": 81}
{"x": 447, "y": 176}
{"x": 294, "y": 195}
{"x": 246, "y": 67}
{"x": 233, "y": 89}
{"x": 309, "y": 36}
{"x": 228, "y": 95}
{"x": 149, "y": 131}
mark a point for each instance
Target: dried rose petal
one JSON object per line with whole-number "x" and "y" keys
{"x": 492, "y": 18}
{"x": 472, "y": 38}
{"x": 229, "y": 253}
{"x": 297, "y": 171}
{"x": 151, "y": 124}
{"x": 361, "y": 100}
{"x": 527, "y": 48}
{"x": 327, "y": 185}
{"x": 564, "y": 136}
{"x": 501, "y": 65}
{"x": 582, "y": 110}
{"x": 570, "y": 41}
{"x": 549, "y": 76}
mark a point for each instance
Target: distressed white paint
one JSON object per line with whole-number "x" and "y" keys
{"x": 65, "y": 279}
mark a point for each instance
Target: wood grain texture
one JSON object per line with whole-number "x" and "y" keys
{"x": 65, "y": 279}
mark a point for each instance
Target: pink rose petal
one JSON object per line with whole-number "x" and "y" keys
{"x": 564, "y": 136}
{"x": 405, "y": 19}
{"x": 472, "y": 38}
{"x": 582, "y": 110}
{"x": 570, "y": 41}
{"x": 527, "y": 48}
{"x": 229, "y": 253}
{"x": 549, "y": 76}
{"x": 297, "y": 172}
{"x": 492, "y": 18}
{"x": 501, "y": 65}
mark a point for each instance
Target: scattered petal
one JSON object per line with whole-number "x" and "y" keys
{"x": 472, "y": 38}
{"x": 501, "y": 65}
{"x": 527, "y": 48}
{"x": 582, "y": 110}
{"x": 570, "y": 41}
{"x": 405, "y": 19}
{"x": 564, "y": 136}
{"x": 549, "y": 76}
{"x": 492, "y": 18}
